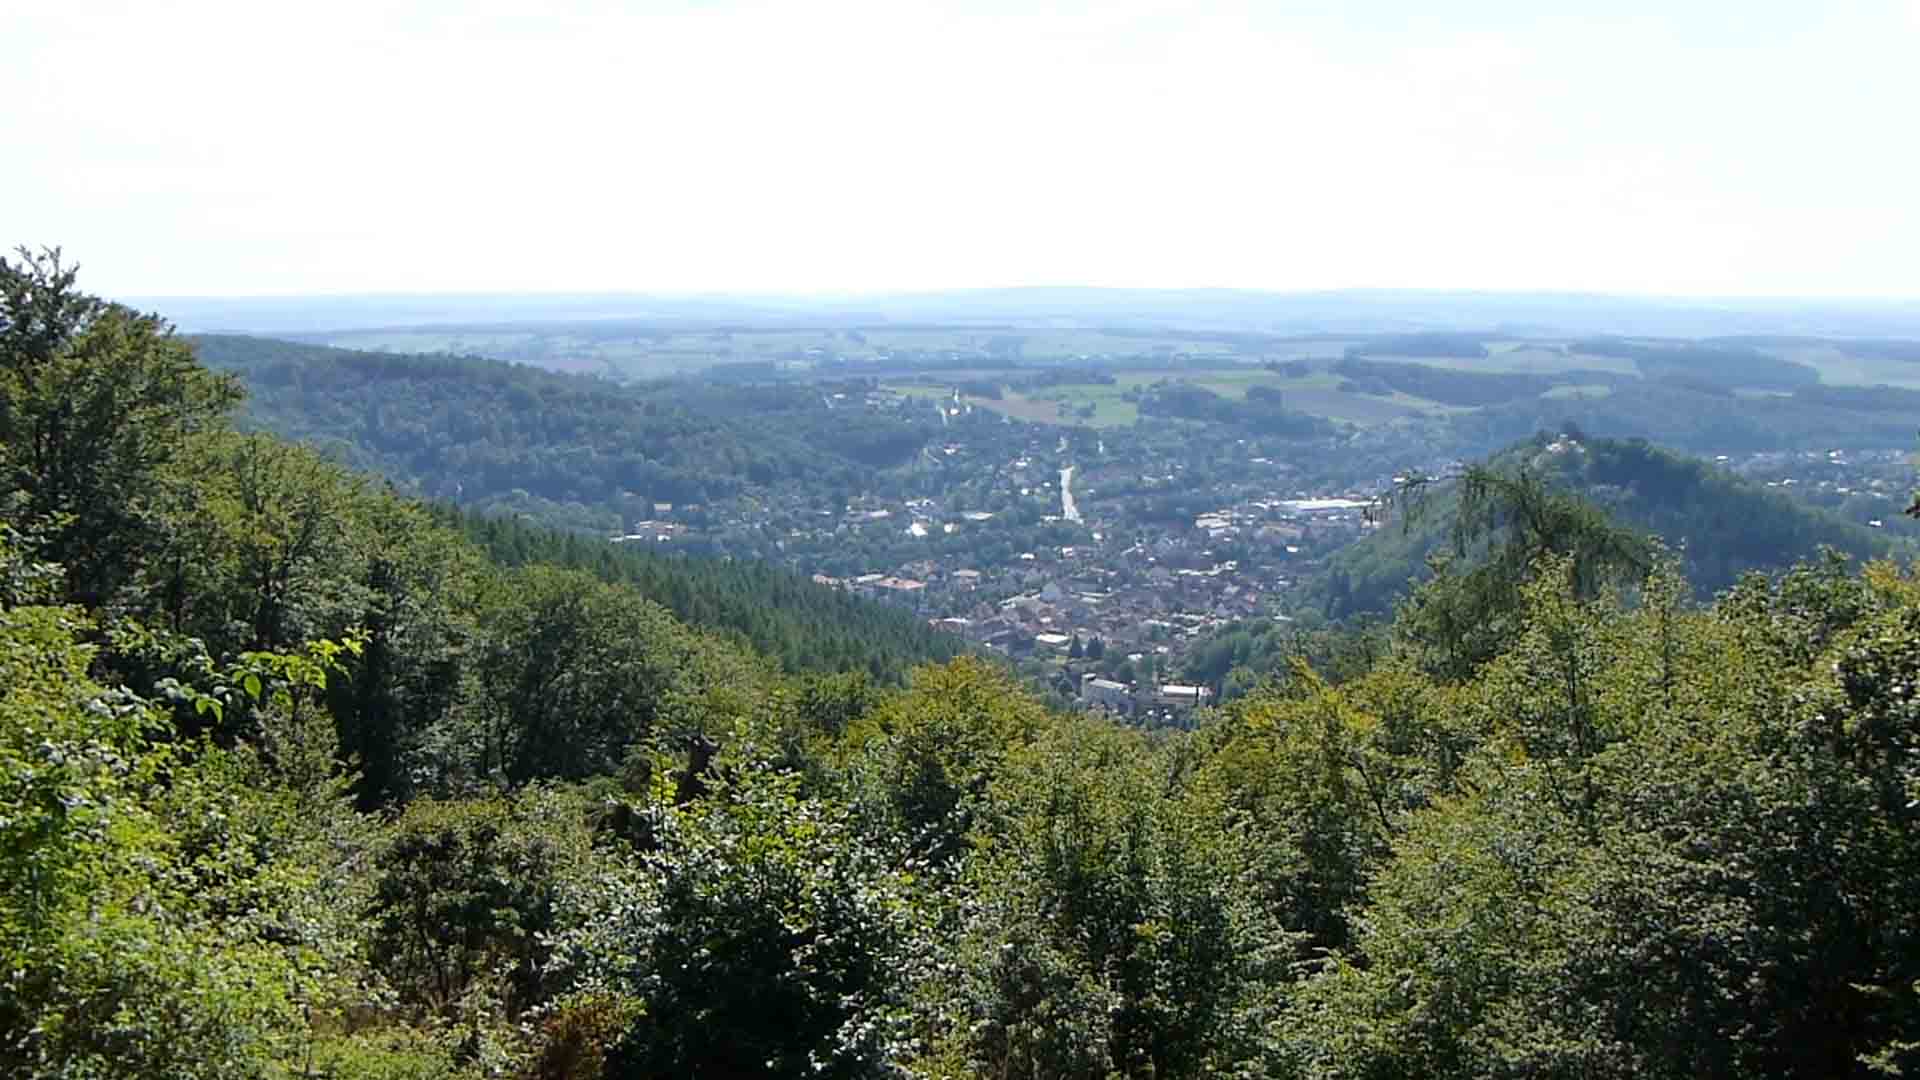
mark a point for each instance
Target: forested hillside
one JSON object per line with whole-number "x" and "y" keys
{"x": 1697, "y": 417}
{"x": 1710, "y": 364}
{"x": 506, "y": 436}
{"x": 773, "y": 611}
{"x": 298, "y": 782}
{"x": 498, "y": 435}
{"x": 1719, "y": 525}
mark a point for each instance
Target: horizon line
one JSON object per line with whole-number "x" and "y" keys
{"x": 860, "y": 295}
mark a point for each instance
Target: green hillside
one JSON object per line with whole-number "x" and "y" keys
{"x": 484, "y": 429}
{"x": 765, "y": 608}
{"x": 1720, "y": 525}
{"x": 574, "y": 449}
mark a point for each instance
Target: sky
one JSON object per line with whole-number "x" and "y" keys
{"x": 1701, "y": 148}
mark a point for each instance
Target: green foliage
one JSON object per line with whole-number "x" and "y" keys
{"x": 1717, "y": 364}
{"x": 1466, "y": 388}
{"x": 1107, "y": 924}
{"x": 95, "y": 401}
{"x": 1603, "y": 891}
{"x": 1240, "y": 656}
{"x": 1562, "y": 818}
{"x": 761, "y": 935}
{"x": 1257, "y": 414}
{"x": 162, "y": 913}
{"x": 1521, "y": 526}
{"x": 780, "y": 614}
{"x": 1467, "y": 345}
{"x": 270, "y": 545}
{"x": 925, "y": 761}
{"x": 481, "y": 430}
{"x": 575, "y": 1040}
{"x": 1719, "y": 525}
{"x": 467, "y": 896}
{"x": 1686, "y": 416}
{"x": 1327, "y": 776}
{"x": 576, "y": 673}
{"x": 268, "y": 556}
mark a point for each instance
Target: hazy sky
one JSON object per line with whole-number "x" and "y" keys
{"x": 1683, "y": 146}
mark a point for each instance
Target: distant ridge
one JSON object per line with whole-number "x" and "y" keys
{"x": 1331, "y": 311}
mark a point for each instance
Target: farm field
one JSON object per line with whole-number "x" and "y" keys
{"x": 1045, "y": 408}
{"x": 649, "y": 351}
{"x": 1837, "y": 368}
{"x": 1316, "y": 394}
{"x": 1834, "y": 366}
{"x": 1527, "y": 358}
{"x": 639, "y": 352}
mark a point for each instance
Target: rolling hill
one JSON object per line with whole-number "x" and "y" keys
{"x": 500, "y": 438}
{"x": 1721, "y": 525}
{"x": 574, "y": 449}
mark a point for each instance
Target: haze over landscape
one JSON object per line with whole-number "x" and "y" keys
{"x": 1717, "y": 148}
{"x": 603, "y": 541}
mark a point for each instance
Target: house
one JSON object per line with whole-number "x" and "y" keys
{"x": 1177, "y": 696}
{"x": 900, "y": 590}
{"x": 1099, "y": 693}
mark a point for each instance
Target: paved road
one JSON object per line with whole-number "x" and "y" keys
{"x": 1067, "y": 509}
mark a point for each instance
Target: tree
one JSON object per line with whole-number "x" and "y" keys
{"x": 577, "y": 673}
{"x": 95, "y": 401}
{"x": 167, "y": 908}
{"x": 1105, "y": 927}
{"x": 763, "y": 934}
{"x": 1325, "y": 775}
{"x": 469, "y": 895}
{"x": 1674, "y": 851}
{"x": 924, "y": 761}
{"x": 1507, "y": 521}
{"x": 265, "y": 557}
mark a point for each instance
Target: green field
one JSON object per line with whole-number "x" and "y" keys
{"x": 1836, "y": 368}
{"x": 1042, "y": 408}
{"x": 1233, "y": 367}
{"x": 1527, "y": 358}
{"x": 1841, "y": 369}
{"x": 652, "y": 353}
{"x": 1316, "y": 393}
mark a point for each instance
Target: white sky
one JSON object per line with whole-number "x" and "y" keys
{"x": 1681, "y": 146}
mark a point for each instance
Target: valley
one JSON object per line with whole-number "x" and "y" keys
{"x": 1112, "y": 515}
{"x": 731, "y": 540}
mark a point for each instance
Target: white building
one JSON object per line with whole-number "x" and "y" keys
{"x": 1099, "y": 693}
{"x": 1178, "y": 696}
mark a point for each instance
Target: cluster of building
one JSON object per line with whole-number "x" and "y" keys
{"x": 1133, "y": 700}
{"x": 1125, "y": 610}
{"x": 1095, "y": 577}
